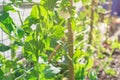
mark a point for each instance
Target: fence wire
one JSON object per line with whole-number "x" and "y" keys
{"x": 4, "y": 39}
{"x": 24, "y": 12}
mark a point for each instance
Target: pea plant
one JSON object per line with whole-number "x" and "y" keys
{"x": 56, "y": 45}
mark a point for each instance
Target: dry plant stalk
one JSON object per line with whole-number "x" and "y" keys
{"x": 70, "y": 44}
{"x": 55, "y": 50}
{"x": 92, "y": 21}
{"x": 109, "y": 21}
{"x": 70, "y": 51}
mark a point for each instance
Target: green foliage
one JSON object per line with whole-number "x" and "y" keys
{"x": 51, "y": 71}
{"x": 6, "y": 23}
{"x": 4, "y": 48}
{"x": 116, "y": 45}
{"x": 40, "y": 33}
{"x": 50, "y": 4}
{"x": 93, "y": 75}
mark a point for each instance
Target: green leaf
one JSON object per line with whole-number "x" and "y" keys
{"x": 43, "y": 12}
{"x": 65, "y": 3}
{"x": 78, "y": 54}
{"x": 28, "y": 47}
{"x": 29, "y": 38}
{"x": 4, "y": 28}
{"x": 1, "y": 73}
{"x": 41, "y": 45}
{"x": 18, "y": 43}
{"x": 6, "y": 23}
{"x": 34, "y": 58}
{"x": 110, "y": 71}
{"x": 3, "y": 15}
{"x": 93, "y": 75}
{"x": 4, "y": 48}
{"x": 10, "y": 65}
{"x": 58, "y": 31}
{"x": 89, "y": 63}
{"x": 20, "y": 32}
{"x": 50, "y": 4}
{"x": 9, "y": 8}
{"x": 32, "y": 78}
{"x": 51, "y": 71}
{"x": 35, "y": 12}
{"x": 76, "y": 0}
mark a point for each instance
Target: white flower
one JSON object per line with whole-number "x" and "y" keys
{"x": 33, "y": 27}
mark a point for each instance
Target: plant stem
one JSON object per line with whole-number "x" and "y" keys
{"x": 70, "y": 44}
{"x": 92, "y": 22}
{"x": 109, "y": 21}
{"x": 70, "y": 51}
{"x": 18, "y": 12}
{"x": 20, "y": 17}
{"x": 37, "y": 45}
{"x": 37, "y": 51}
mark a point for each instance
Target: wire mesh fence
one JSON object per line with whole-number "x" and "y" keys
{"x": 24, "y": 9}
